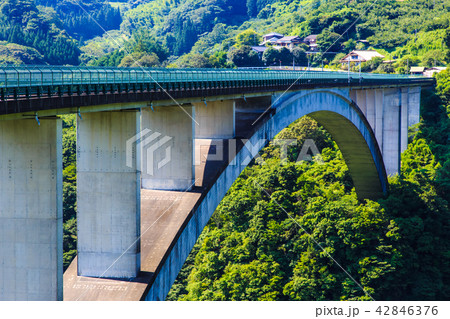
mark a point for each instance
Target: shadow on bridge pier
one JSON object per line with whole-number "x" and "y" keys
{"x": 164, "y": 214}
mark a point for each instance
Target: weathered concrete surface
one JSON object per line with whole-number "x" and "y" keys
{"x": 391, "y": 130}
{"x": 389, "y": 111}
{"x": 162, "y": 213}
{"x": 357, "y": 155}
{"x": 215, "y": 120}
{"x": 168, "y": 158}
{"x": 108, "y": 193}
{"x": 31, "y": 210}
{"x": 210, "y": 156}
{"x": 163, "y": 216}
{"x": 215, "y": 125}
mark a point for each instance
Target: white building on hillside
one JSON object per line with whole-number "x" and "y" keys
{"x": 359, "y": 56}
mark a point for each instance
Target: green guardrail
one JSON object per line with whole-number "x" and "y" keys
{"x": 32, "y": 76}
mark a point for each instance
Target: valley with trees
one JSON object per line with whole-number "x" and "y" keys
{"x": 264, "y": 240}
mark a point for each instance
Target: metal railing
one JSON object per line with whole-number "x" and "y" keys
{"x": 20, "y": 76}
{"x": 17, "y": 82}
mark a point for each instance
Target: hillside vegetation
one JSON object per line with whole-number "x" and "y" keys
{"x": 215, "y": 33}
{"x": 205, "y": 33}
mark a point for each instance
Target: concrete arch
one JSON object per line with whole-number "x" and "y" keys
{"x": 332, "y": 109}
{"x": 348, "y": 126}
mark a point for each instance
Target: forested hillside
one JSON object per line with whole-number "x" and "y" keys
{"x": 217, "y": 33}
{"x": 54, "y": 29}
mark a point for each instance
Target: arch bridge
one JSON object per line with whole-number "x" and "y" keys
{"x": 157, "y": 150}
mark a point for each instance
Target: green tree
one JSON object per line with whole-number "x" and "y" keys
{"x": 329, "y": 41}
{"x": 194, "y": 61}
{"x": 69, "y": 188}
{"x": 300, "y": 57}
{"x": 247, "y": 37}
{"x": 285, "y": 56}
{"x": 244, "y": 57}
{"x": 270, "y": 56}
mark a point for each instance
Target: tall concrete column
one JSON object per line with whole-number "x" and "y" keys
{"x": 379, "y": 117}
{"x": 413, "y": 105}
{"x": 167, "y": 149}
{"x": 108, "y": 195}
{"x": 216, "y": 125}
{"x": 392, "y": 130}
{"x": 404, "y": 119}
{"x": 371, "y": 108}
{"x": 361, "y": 101}
{"x": 31, "y": 210}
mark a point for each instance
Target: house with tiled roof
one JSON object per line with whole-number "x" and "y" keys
{"x": 289, "y": 41}
{"x": 269, "y": 36}
{"x": 260, "y": 50}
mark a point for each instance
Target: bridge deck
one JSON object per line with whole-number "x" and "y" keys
{"x": 47, "y": 89}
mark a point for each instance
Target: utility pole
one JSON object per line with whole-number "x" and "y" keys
{"x": 348, "y": 69}
{"x": 360, "y": 71}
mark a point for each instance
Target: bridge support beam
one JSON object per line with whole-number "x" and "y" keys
{"x": 167, "y": 151}
{"x": 108, "y": 195}
{"x": 31, "y": 210}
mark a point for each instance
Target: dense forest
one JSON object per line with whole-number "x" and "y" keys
{"x": 219, "y": 33}
{"x": 265, "y": 240}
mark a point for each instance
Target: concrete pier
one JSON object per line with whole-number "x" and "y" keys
{"x": 216, "y": 125}
{"x": 168, "y": 148}
{"x": 391, "y": 130}
{"x": 390, "y": 112}
{"x": 31, "y": 210}
{"x": 108, "y": 196}
{"x": 215, "y": 120}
